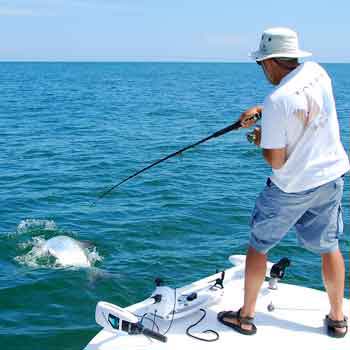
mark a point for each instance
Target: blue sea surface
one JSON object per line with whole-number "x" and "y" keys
{"x": 69, "y": 131}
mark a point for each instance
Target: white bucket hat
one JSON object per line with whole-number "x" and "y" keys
{"x": 279, "y": 42}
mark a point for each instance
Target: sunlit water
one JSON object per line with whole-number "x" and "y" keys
{"x": 69, "y": 131}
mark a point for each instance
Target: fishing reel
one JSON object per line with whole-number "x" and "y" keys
{"x": 251, "y": 136}
{"x": 116, "y": 319}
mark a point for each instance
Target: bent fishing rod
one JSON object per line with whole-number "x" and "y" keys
{"x": 235, "y": 126}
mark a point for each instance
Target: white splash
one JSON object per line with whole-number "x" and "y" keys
{"x": 36, "y": 224}
{"x": 59, "y": 251}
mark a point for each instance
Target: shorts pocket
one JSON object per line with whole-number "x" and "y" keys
{"x": 340, "y": 223}
{"x": 253, "y": 217}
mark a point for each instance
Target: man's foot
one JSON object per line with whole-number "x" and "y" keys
{"x": 235, "y": 320}
{"x": 336, "y": 329}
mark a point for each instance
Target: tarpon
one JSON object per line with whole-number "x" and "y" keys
{"x": 67, "y": 251}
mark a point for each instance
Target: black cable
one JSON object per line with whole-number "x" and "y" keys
{"x": 172, "y": 319}
{"x": 154, "y": 323}
{"x": 206, "y": 331}
{"x": 154, "y": 320}
{"x": 142, "y": 317}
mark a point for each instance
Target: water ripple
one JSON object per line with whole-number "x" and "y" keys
{"x": 70, "y": 131}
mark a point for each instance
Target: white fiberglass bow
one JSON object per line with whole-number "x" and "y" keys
{"x": 287, "y": 316}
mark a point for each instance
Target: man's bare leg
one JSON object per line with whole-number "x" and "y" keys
{"x": 334, "y": 279}
{"x": 255, "y": 271}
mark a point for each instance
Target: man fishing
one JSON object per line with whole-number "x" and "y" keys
{"x": 300, "y": 140}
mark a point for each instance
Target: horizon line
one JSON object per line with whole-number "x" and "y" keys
{"x": 144, "y": 61}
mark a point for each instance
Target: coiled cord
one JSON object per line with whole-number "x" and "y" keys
{"x": 208, "y": 331}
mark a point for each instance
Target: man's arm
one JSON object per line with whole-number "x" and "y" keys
{"x": 275, "y": 157}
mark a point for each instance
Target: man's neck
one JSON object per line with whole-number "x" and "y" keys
{"x": 284, "y": 71}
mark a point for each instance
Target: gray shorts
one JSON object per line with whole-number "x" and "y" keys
{"x": 316, "y": 215}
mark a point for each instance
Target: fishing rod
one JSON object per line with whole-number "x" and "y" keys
{"x": 235, "y": 126}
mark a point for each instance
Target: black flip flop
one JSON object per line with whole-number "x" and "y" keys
{"x": 332, "y": 326}
{"x": 241, "y": 321}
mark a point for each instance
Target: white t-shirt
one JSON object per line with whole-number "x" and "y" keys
{"x": 300, "y": 115}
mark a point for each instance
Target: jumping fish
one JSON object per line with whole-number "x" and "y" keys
{"x": 67, "y": 251}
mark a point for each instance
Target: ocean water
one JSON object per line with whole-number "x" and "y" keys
{"x": 68, "y": 131}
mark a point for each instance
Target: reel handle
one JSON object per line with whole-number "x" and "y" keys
{"x": 256, "y": 117}
{"x": 155, "y": 335}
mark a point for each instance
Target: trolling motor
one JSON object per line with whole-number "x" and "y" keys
{"x": 117, "y": 319}
{"x": 164, "y": 303}
{"x": 277, "y": 272}
{"x": 168, "y": 303}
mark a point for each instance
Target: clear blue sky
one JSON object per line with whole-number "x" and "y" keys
{"x": 163, "y": 30}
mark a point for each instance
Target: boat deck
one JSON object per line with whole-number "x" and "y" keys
{"x": 296, "y": 322}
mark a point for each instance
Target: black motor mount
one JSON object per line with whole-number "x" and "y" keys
{"x": 278, "y": 269}
{"x": 219, "y": 282}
